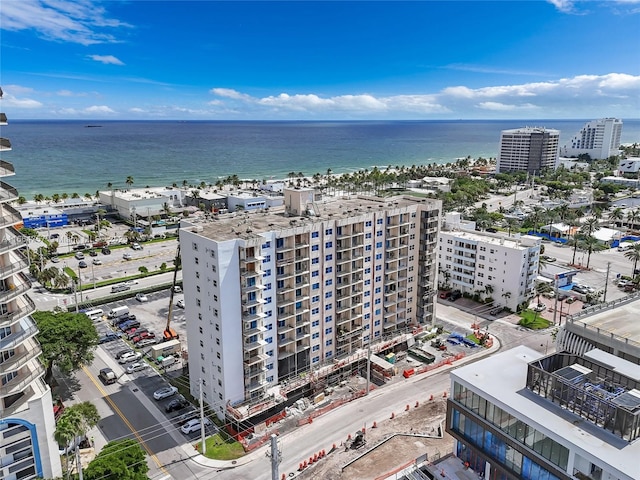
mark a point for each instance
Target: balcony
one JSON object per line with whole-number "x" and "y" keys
{"x": 253, "y": 331}
{"x": 253, "y": 317}
{"x": 252, "y": 303}
{"x": 13, "y": 291}
{"x": 5, "y": 144}
{"x": 12, "y": 241}
{"x": 30, "y": 349}
{"x": 7, "y": 192}
{"x": 286, "y": 260}
{"x": 248, "y": 273}
{"x": 3, "y": 119}
{"x": 22, "y": 380}
{"x": 9, "y": 216}
{"x": 6, "y": 169}
{"x": 286, "y": 328}
{"x": 255, "y": 386}
{"x": 19, "y": 313}
{"x": 254, "y": 359}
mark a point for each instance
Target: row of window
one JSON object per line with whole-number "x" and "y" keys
{"x": 513, "y": 427}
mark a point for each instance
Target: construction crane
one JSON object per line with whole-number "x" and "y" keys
{"x": 169, "y": 333}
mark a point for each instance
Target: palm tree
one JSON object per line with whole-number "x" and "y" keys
{"x": 632, "y": 218}
{"x": 129, "y": 181}
{"x": 591, "y": 244}
{"x": 542, "y": 288}
{"x": 633, "y": 254}
{"x": 76, "y": 421}
{"x": 616, "y": 215}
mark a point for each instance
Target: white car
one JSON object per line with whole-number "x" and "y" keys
{"x": 165, "y": 392}
{"x": 137, "y": 367}
{"x": 540, "y": 307}
{"x": 97, "y": 261}
{"x": 180, "y": 304}
{"x": 194, "y": 425}
{"x": 136, "y": 246}
{"x": 130, "y": 357}
{"x": 177, "y": 289}
{"x": 141, "y": 297}
{"x": 126, "y": 256}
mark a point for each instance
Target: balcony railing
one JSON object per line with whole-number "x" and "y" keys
{"x": 12, "y": 240}
{"x": 15, "y": 315}
{"x": 6, "y": 168}
{"x": 9, "y": 216}
{"x": 21, "y": 381}
{"x": 5, "y": 144}
{"x": 15, "y": 291}
{"x": 8, "y": 193}
{"x": 31, "y": 350}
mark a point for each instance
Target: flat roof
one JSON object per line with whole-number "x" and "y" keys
{"x": 248, "y": 224}
{"x": 508, "y": 390}
{"x": 620, "y": 321}
{"x": 498, "y": 239}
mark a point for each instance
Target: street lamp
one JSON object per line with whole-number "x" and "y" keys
{"x": 93, "y": 275}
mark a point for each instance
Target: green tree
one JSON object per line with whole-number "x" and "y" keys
{"x": 144, "y": 270}
{"x": 119, "y": 460}
{"x": 67, "y": 340}
{"x": 129, "y": 181}
{"x": 633, "y": 254}
{"x": 75, "y": 421}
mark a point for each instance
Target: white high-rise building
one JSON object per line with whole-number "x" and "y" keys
{"x": 274, "y": 296}
{"x": 27, "y": 424}
{"x": 492, "y": 265}
{"x": 599, "y": 139}
{"x": 529, "y": 149}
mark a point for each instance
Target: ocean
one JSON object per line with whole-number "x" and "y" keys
{"x": 70, "y": 157}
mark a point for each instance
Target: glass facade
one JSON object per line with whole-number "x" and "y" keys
{"x": 525, "y": 435}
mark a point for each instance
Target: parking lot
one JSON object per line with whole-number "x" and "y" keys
{"x": 152, "y": 315}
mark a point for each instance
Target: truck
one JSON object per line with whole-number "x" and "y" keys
{"x": 165, "y": 349}
{"x": 119, "y": 311}
{"x": 108, "y": 376}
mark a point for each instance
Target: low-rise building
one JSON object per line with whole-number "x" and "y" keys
{"x": 521, "y": 415}
{"x": 629, "y": 165}
{"x": 492, "y": 265}
{"x": 143, "y": 202}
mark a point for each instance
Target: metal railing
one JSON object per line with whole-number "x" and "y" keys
{"x": 13, "y": 387}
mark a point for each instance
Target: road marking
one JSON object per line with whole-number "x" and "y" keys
{"x": 124, "y": 419}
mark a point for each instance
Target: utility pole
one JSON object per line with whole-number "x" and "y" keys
{"x": 202, "y": 425}
{"x": 368, "y": 365}
{"x": 606, "y": 282}
{"x": 275, "y": 457}
{"x": 78, "y": 463}
{"x": 555, "y": 305}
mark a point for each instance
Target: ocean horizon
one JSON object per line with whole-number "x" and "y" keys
{"x": 82, "y": 156}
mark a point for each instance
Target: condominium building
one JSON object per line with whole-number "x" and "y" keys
{"x": 529, "y": 149}
{"x": 272, "y": 296}
{"x": 598, "y": 138}
{"x": 27, "y": 449}
{"x": 492, "y": 265}
{"x": 521, "y": 415}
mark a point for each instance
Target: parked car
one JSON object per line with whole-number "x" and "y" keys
{"x": 496, "y": 310}
{"x": 79, "y": 256}
{"x": 623, "y": 283}
{"x": 165, "y": 392}
{"x": 79, "y": 247}
{"x": 121, "y": 287}
{"x": 571, "y": 300}
{"x": 176, "y": 404}
{"x": 180, "y": 304}
{"x": 55, "y": 259}
{"x": 580, "y": 289}
{"x": 129, "y": 324}
{"x": 549, "y": 258}
{"x": 445, "y": 294}
{"x": 122, "y": 352}
{"x": 106, "y": 251}
{"x": 126, "y": 256}
{"x": 549, "y": 294}
{"x": 93, "y": 253}
{"x": 97, "y": 261}
{"x": 109, "y": 337}
{"x": 135, "y": 331}
{"x": 136, "y": 246}
{"x": 145, "y": 342}
{"x": 194, "y": 425}
{"x": 82, "y": 264}
{"x": 137, "y": 367}
{"x": 130, "y": 357}
{"x": 177, "y": 289}
{"x": 540, "y": 307}
{"x": 188, "y": 415}
{"x": 141, "y": 297}
{"x": 144, "y": 335}
{"x": 455, "y": 295}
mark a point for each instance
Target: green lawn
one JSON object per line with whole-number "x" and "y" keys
{"x": 533, "y": 320}
{"x": 220, "y": 449}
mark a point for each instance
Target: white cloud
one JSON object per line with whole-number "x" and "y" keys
{"x": 74, "y": 21}
{"x": 229, "y": 93}
{"x": 64, "y": 93}
{"x": 107, "y": 59}
{"x": 98, "y": 109}
{"x": 503, "y": 107}
{"x": 10, "y": 100}
{"x": 565, "y": 6}
{"x": 94, "y": 110}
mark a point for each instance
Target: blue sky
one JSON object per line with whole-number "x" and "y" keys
{"x": 298, "y": 60}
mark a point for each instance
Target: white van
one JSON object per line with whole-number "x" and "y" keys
{"x": 119, "y": 311}
{"x": 94, "y": 314}
{"x": 167, "y": 361}
{"x": 624, "y": 246}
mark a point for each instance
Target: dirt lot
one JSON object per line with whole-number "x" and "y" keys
{"x": 394, "y": 443}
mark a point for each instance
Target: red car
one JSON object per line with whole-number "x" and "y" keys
{"x": 144, "y": 335}
{"x": 134, "y": 332}
{"x": 444, "y": 294}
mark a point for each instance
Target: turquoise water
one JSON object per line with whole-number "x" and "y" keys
{"x": 67, "y": 157}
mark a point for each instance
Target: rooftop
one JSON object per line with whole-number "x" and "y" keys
{"x": 521, "y": 242}
{"x": 508, "y": 390}
{"x": 248, "y": 224}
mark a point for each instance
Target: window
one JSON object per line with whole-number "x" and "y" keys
{"x": 315, "y": 234}
{"x": 328, "y": 282}
{"x": 328, "y": 231}
{"x": 197, "y": 261}
{"x": 328, "y": 245}
{"x": 315, "y": 248}
{"x": 328, "y": 270}
{"x": 194, "y": 246}
{"x": 328, "y": 258}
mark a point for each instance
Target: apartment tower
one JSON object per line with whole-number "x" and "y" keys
{"x": 529, "y": 149}
{"x": 599, "y": 139}
{"x": 272, "y": 296}
{"x": 27, "y": 424}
